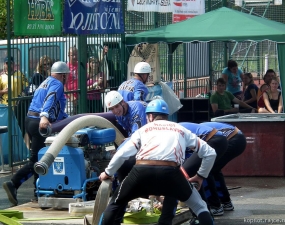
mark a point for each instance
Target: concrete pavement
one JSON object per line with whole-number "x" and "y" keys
{"x": 257, "y": 200}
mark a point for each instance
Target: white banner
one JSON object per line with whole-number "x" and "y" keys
{"x": 162, "y": 6}
{"x": 257, "y": 2}
{"x": 179, "y": 7}
{"x": 188, "y": 7}
{"x": 145, "y": 53}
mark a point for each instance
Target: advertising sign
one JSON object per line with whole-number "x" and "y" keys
{"x": 257, "y": 2}
{"x": 93, "y": 17}
{"x": 162, "y": 6}
{"x": 185, "y": 9}
{"x": 37, "y": 17}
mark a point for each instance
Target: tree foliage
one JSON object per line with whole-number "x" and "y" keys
{"x": 3, "y": 18}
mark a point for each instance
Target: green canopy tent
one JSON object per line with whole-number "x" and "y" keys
{"x": 223, "y": 24}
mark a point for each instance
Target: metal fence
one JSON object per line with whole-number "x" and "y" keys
{"x": 190, "y": 72}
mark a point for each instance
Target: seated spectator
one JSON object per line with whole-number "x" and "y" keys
{"x": 221, "y": 101}
{"x": 270, "y": 73}
{"x": 233, "y": 77}
{"x": 272, "y": 98}
{"x": 251, "y": 89}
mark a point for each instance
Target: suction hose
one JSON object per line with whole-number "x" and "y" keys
{"x": 58, "y": 126}
{"x": 41, "y": 167}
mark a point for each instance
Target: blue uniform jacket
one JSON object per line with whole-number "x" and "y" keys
{"x": 133, "y": 89}
{"x": 134, "y": 118}
{"x": 49, "y": 98}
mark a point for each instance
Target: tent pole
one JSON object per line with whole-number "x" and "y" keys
{"x": 210, "y": 67}
{"x": 170, "y": 61}
{"x": 225, "y": 54}
{"x": 281, "y": 59}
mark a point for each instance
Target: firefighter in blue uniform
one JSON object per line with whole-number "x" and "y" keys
{"x": 236, "y": 146}
{"x": 134, "y": 88}
{"x": 47, "y": 106}
{"x": 217, "y": 141}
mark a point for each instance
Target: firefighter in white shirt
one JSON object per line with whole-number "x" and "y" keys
{"x": 159, "y": 147}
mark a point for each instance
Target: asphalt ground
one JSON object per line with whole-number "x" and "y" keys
{"x": 257, "y": 200}
{"x": 25, "y": 193}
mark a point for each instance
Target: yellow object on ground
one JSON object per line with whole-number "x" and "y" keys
{"x": 10, "y": 217}
{"x": 141, "y": 217}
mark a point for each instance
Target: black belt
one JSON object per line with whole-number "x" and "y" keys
{"x": 31, "y": 113}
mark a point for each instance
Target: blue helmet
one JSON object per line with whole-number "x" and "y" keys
{"x": 157, "y": 106}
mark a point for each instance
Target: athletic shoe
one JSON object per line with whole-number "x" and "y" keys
{"x": 217, "y": 211}
{"x": 228, "y": 206}
{"x": 11, "y": 192}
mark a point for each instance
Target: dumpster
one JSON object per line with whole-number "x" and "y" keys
{"x": 265, "y": 151}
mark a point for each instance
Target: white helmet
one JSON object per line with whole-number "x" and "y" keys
{"x": 59, "y": 67}
{"x": 142, "y": 67}
{"x": 113, "y": 98}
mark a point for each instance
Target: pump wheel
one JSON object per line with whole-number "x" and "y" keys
{"x": 101, "y": 201}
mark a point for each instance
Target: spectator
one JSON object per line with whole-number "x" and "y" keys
{"x": 94, "y": 84}
{"x": 270, "y": 73}
{"x": 18, "y": 82}
{"x": 233, "y": 77}
{"x": 47, "y": 107}
{"x": 134, "y": 88}
{"x": 157, "y": 169}
{"x": 221, "y": 101}
{"x": 251, "y": 90}
{"x": 103, "y": 64}
{"x": 41, "y": 73}
{"x": 72, "y": 81}
{"x": 272, "y": 98}
{"x": 19, "y": 85}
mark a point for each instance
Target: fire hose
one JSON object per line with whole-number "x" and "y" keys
{"x": 41, "y": 167}
{"x": 58, "y": 126}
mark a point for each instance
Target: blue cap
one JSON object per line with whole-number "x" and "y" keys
{"x": 7, "y": 59}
